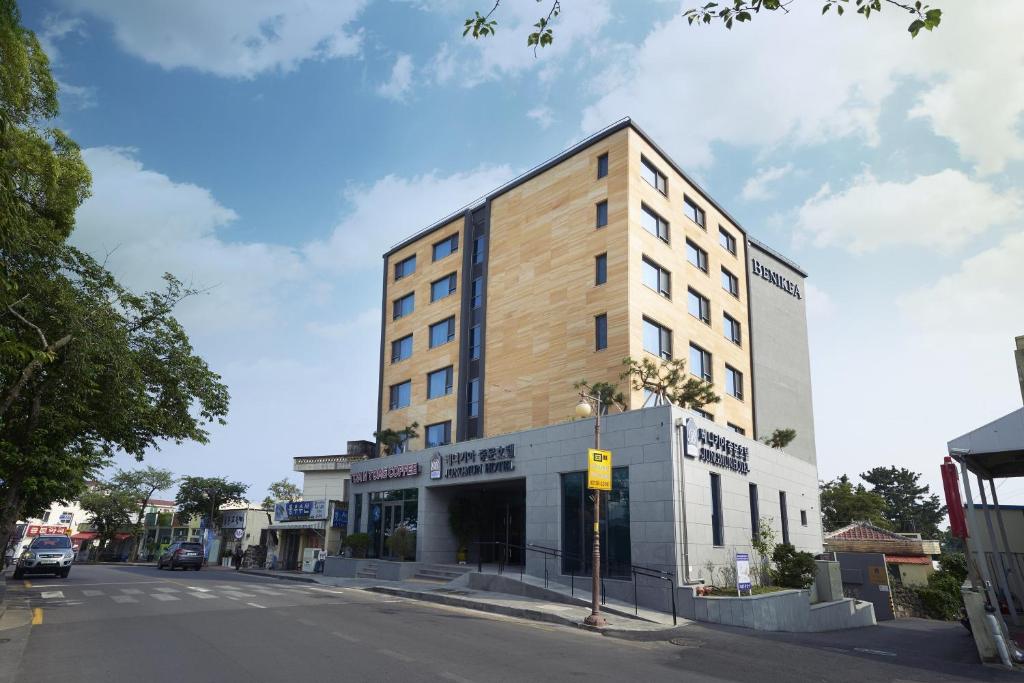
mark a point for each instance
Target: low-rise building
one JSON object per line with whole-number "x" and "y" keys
{"x": 908, "y": 557}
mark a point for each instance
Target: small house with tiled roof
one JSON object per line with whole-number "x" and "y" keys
{"x": 908, "y": 557}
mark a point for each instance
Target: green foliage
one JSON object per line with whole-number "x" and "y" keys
{"x": 669, "y": 382}
{"x": 954, "y": 564}
{"x": 198, "y": 496}
{"x": 285, "y": 490}
{"x": 606, "y": 392}
{"x": 482, "y": 25}
{"x": 110, "y": 510}
{"x": 780, "y": 438}
{"x": 909, "y": 507}
{"x": 143, "y": 483}
{"x": 763, "y": 545}
{"x": 462, "y": 521}
{"x": 391, "y": 439}
{"x": 741, "y": 11}
{"x": 941, "y": 599}
{"x": 843, "y": 503}
{"x": 401, "y": 543}
{"x": 358, "y": 542}
{"x": 793, "y": 568}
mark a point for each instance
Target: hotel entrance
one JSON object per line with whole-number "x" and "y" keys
{"x": 493, "y": 517}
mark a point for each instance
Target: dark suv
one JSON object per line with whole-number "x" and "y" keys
{"x": 181, "y": 554}
{"x": 46, "y": 555}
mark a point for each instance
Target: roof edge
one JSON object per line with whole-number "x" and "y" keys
{"x": 761, "y": 246}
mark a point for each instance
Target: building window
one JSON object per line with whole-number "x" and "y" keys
{"x": 657, "y": 339}
{"x": 473, "y": 398}
{"x": 578, "y": 525}
{"x": 730, "y": 283}
{"x": 438, "y": 434}
{"x": 734, "y": 382}
{"x": 477, "y": 293}
{"x": 705, "y": 414}
{"x": 736, "y": 428}
{"x": 358, "y": 514}
{"x": 727, "y": 241}
{"x": 474, "y": 342}
{"x": 653, "y": 223}
{"x": 442, "y": 332}
{"x": 653, "y": 176}
{"x": 784, "y": 513}
{"x": 717, "y": 523}
{"x": 698, "y": 305}
{"x": 602, "y": 214}
{"x": 600, "y": 269}
{"x": 602, "y": 166}
{"x": 479, "y": 246}
{"x": 402, "y": 445}
{"x": 46, "y": 516}
{"x": 405, "y": 267}
{"x": 401, "y": 395}
{"x": 732, "y": 329}
{"x": 600, "y": 332}
{"x": 693, "y": 212}
{"x": 657, "y": 278}
{"x": 700, "y": 362}
{"x": 696, "y": 256}
{"x": 403, "y": 307}
{"x": 401, "y": 348}
{"x": 803, "y": 518}
{"x": 439, "y": 289}
{"x": 445, "y": 247}
{"x": 755, "y": 514}
{"x": 439, "y": 382}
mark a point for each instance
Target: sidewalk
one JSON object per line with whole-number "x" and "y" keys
{"x": 622, "y": 623}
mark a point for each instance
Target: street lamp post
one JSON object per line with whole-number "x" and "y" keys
{"x": 209, "y": 527}
{"x": 583, "y": 410}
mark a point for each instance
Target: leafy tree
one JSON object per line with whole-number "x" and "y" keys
{"x": 203, "y": 496}
{"x": 143, "y": 483}
{"x": 780, "y": 438}
{"x": 793, "y": 568}
{"x": 391, "y": 440}
{"x": 608, "y": 394}
{"x": 909, "y": 506}
{"x": 668, "y": 382}
{"x": 764, "y": 544}
{"x": 843, "y": 503}
{"x": 87, "y": 368}
{"x": 727, "y": 12}
{"x": 110, "y": 509}
{"x": 281, "y": 490}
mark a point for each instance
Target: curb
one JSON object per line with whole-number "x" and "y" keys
{"x": 279, "y": 577}
{"x": 529, "y": 614}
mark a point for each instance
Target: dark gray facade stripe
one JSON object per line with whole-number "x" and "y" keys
{"x": 472, "y": 369}
{"x": 383, "y": 318}
{"x": 750, "y": 338}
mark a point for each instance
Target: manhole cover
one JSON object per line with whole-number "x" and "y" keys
{"x": 686, "y": 642}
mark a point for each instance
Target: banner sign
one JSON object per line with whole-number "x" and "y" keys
{"x": 393, "y": 472}
{"x": 743, "y": 572}
{"x": 233, "y": 520}
{"x": 599, "y": 469}
{"x": 47, "y": 530}
{"x": 288, "y": 511}
{"x": 715, "y": 449}
{"x": 340, "y": 518}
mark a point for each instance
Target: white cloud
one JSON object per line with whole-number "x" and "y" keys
{"x": 398, "y": 85}
{"x": 942, "y": 211}
{"x": 820, "y": 305}
{"x": 542, "y": 115}
{"x": 757, "y": 187}
{"x": 806, "y": 79}
{"x": 56, "y": 28}
{"x": 231, "y": 38}
{"x": 395, "y": 207}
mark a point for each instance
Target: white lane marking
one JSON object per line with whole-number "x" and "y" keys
{"x": 874, "y": 652}
{"x": 91, "y": 594}
{"x": 324, "y": 590}
{"x": 163, "y": 597}
{"x": 266, "y": 591}
{"x": 109, "y": 583}
{"x": 198, "y": 589}
{"x": 238, "y": 594}
{"x": 131, "y": 591}
{"x": 345, "y": 636}
{"x": 52, "y": 594}
{"x": 253, "y": 604}
{"x": 204, "y": 596}
{"x": 166, "y": 590}
{"x": 123, "y": 598}
{"x": 396, "y": 655}
{"x": 454, "y": 677}
{"x": 230, "y": 598}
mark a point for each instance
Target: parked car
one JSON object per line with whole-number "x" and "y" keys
{"x": 46, "y": 555}
{"x": 181, "y": 554}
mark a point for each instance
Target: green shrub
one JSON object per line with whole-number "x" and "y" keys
{"x": 954, "y": 564}
{"x": 358, "y": 543}
{"x": 793, "y": 569}
{"x": 939, "y": 603}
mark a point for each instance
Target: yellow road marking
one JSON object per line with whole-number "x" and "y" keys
{"x": 28, "y": 584}
{"x": 37, "y": 616}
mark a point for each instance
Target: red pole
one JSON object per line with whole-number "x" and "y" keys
{"x": 954, "y": 505}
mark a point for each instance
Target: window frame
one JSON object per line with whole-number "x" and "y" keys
{"x": 600, "y": 331}
{"x": 662, "y": 275}
{"x": 703, "y": 304}
{"x": 602, "y": 165}
{"x": 447, "y": 428}
{"x": 755, "y": 510}
{"x": 449, "y": 381}
{"x": 601, "y": 269}
{"x": 473, "y": 404}
{"x": 646, "y": 163}
{"x": 452, "y": 240}
{"x": 717, "y": 516}
{"x": 697, "y": 213}
{"x": 736, "y": 429}
{"x": 401, "y": 265}
{"x": 453, "y": 283}
{"x": 394, "y": 345}
{"x": 729, "y": 325}
{"x": 660, "y": 223}
{"x": 784, "y": 515}
{"x": 728, "y": 276}
{"x": 702, "y": 256}
{"x": 475, "y": 348}
{"x": 476, "y": 299}
{"x": 730, "y": 239}
{"x": 395, "y": 315}
{"x": 601, "y": 214}
{"x": 450, "y": 321}
{"x": 664, "y": 333}
{"x": 392, "y": 403}
{"x": 705, "y": 355}
{"x": 733, "y": 375}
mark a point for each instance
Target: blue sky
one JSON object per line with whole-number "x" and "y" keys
{"x": 271, "y": 151}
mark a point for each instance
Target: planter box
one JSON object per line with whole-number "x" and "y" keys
{"x": 789, "y": 610}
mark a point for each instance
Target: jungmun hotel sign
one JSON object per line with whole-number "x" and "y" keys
{"x": 765, "y": 273}
{"x": 715, "y": 449}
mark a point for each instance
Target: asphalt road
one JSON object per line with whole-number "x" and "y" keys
{"x": 109, "y": 623}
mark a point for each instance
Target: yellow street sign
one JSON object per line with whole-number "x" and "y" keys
{"x": 599, "y": 469}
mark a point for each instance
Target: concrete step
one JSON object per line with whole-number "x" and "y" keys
{"x": 366, "y": 574}
{"x": 440, "y": 574}
{"x": 453, "y": 569}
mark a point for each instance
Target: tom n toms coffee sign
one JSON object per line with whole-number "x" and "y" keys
{"x": 715, "y": 449}
{"x": 471, "y": 463}
{"x": 765, "y": 273}
{"x": 381, "y": 473}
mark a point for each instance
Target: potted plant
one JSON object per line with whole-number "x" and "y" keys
{"x": 358, "y": 543}
{"x": 462, "y": 521}
{"x": 401, "y": 541}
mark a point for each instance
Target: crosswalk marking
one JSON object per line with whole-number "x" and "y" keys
{"x": 131, "y": 591}
{"x": 91, "y": 594}
{"x": 166, "y": 590}
{"x": 203, "y": 596}
{"x": 239, "y": 594}
{"x": 164, "y": 597}
{"x": 267, "y": 591}
{"x": 253, "y": 604}
{"x": 122, "y": 598}
{"x": 47, "y": 595}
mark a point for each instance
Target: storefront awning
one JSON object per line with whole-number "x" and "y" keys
{"x": 284, "y": 526}
{"x": 84, "y": 536}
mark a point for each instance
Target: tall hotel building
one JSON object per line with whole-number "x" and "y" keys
{"x": 606, "y": 251}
